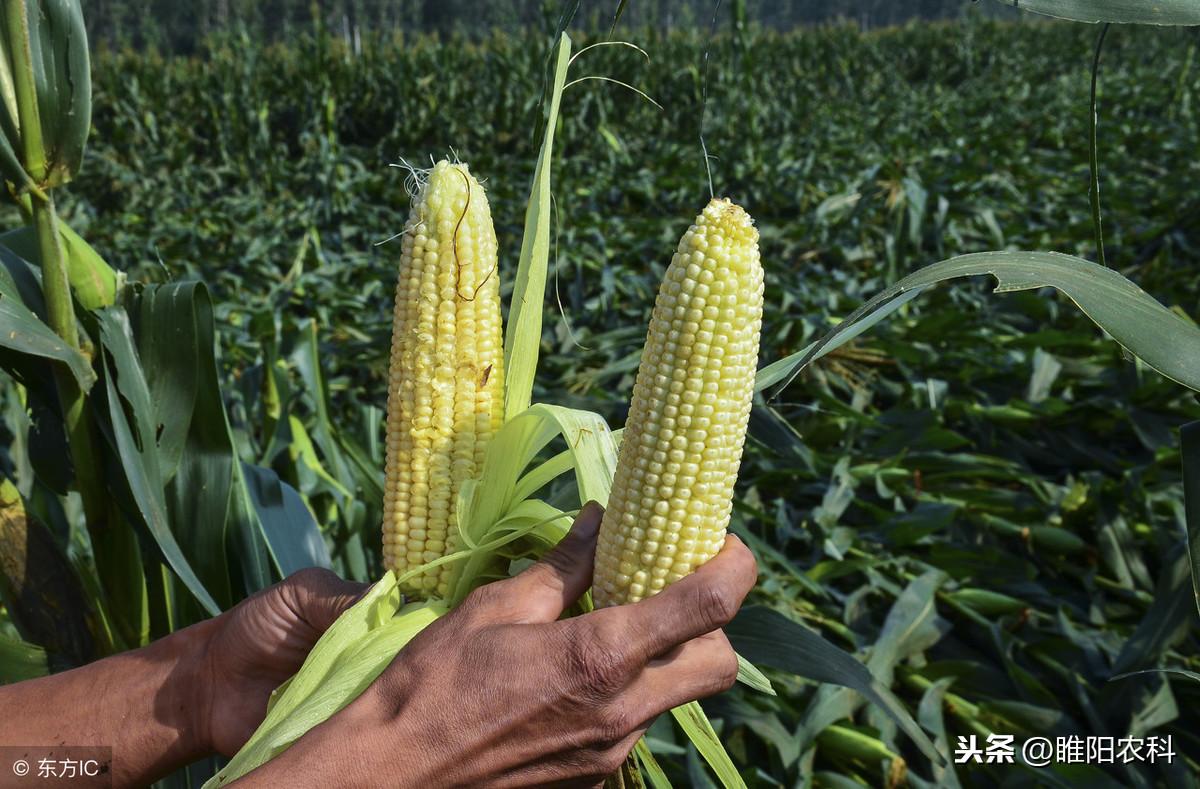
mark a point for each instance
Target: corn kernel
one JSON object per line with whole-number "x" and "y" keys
{"x": 689, "y": 414}
{"x": 446, "y": 381}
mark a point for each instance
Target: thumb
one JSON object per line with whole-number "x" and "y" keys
{"x": 542, "y": 592}
{"x": 319, "y": 596}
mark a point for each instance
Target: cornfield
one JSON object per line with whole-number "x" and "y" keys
{"x": 981, "y": 499}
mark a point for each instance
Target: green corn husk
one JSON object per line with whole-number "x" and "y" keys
{"x": 843, "y": 742}
{"x": 1052, "y": 539}
{"x": 352, "y": 653}
{"x": 94, "y": 282}
{"x": 987, "y": 602}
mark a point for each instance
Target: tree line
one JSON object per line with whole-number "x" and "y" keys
{"x": 171, "y": 26}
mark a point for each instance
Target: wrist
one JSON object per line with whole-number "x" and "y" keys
{"x": 190, "y": 690}
{"x": 167, "y": 690}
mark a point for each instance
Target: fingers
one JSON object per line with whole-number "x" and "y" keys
{"x": 319, "y": 596}
{"x": 703, "y": 667}
{"x": 700, "y": 603}
{"x": 542, "y": 592}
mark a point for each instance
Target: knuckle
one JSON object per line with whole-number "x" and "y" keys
{"x": 301, "y": 588}
{"x": 310, "y": 577}
{"x": 726, "y": 673}
{"x": 483, "y": 598}
{"x": 616, "y": 725}
{"x": 716, "y": 605}
{"x": 560, "y": 560}
{"x": 602, "y": 671}
{"x": 749, "y": 566}
{"x": 598, "y": 665}
{"x": 742, "y": 564}
{"x": 543, "y": 575}
{"x": 478, "y": 608}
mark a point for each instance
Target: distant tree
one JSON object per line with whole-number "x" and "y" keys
{"x": 176, "y": 26}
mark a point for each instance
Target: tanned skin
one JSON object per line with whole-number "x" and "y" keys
{"x": 500, "y": 692}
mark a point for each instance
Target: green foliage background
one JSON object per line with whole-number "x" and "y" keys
{"x": 981, "y": 496}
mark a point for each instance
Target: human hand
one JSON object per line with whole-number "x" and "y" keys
{"x": 500, "y": 692}
{"x": 252, "y": 648}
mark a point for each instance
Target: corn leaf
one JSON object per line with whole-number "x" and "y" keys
{"x": 262, "y": 518}
{"x": 304, "y": 455}
{"x": 650, "y": 766}
{"x": 1190, "y": 442}
{"x": 538, "y": 526}
{"x": 20, "y": 660}
{"x": 170, "y": 347}
{"x": 125, "y": 380}
{"x": 523, "y": 335}
{"x": 355, "y": 649}
{"x": 695, "y": 725}
{"x": 485, "y": 505}
{"x": 39, "y": 586}
{"x": 591, "y": 447}
{"x": 1144, "y": 327}
{"x": 1179, "y": 672}
{"x": 484, "y": 502}
{"x": 771, "y": 639}
{"x": 564, "y": 461}
{"x": 210, "y": 511}
{"x": 58, "y": 48}
{"x": 288, "y": 527}
{"x": 62, "y": 73}
{"x": 1166, "y": 620}
{"x": 543, "y": 474}
{"x": 23, "y": 332}
{"x": 617, "y": 16}
{"x": 306, "y": 359}
{"x": 751, "y": 677}
{"x": 22, "y": 279}
{"x": 848, "y": 330}
{"x": 172, "y": 327}
{"x": 532, "y": 518}
{"x": 119, "y": 580}
{"x": 1141, "y": 12}
{"x": 930, "y": 714}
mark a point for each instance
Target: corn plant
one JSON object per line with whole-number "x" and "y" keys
{"x": 498, "y": 522}
{"x": 979, "y": 499}
{"x": 125, "y": 446}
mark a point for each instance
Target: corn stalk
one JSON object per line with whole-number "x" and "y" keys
{"x": 55, "y": 282}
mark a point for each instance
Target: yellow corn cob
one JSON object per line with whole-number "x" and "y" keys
{"x": 445, "y": 390}
{"x": 673, "y": 490}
